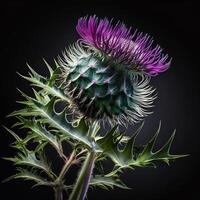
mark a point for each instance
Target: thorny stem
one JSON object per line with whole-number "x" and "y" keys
{"x": 82, "y": 183}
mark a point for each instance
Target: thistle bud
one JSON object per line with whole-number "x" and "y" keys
{"x": 106, "y": 74}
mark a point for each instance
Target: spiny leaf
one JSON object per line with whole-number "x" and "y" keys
{"x": 109, "y": 145}
{"x": 18, "y": 139}
{"x": 148, "y": 148}
{"x": 49, "y": 68}
{"x": 108, "y": 139}
{"x": 19, "y": 142}
{"x": 59, "y": 121}
{"x": 40, "y": 96}
{"x": 34, "y": 73}
{"x": 30, "y": 136}
{"x": 32, "y": 161}
{"x": 118, "y": 170}
{"x": 107, "y": 182}
{"x": 147, "y": 156}
{"x": 130, "y": 155}
{"x": 41, "y": 132}
{"x": 44, "y": 83}
{"x": 129, "y": 148}
{"x": 164, "y": 152}
{"x": 30, "y": 175}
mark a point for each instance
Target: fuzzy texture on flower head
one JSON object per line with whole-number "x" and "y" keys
{"x": 101, "y": 91}
{"x": 135, "y": 51}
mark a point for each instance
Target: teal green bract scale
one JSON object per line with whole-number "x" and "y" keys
{"x": 101, "y": 88}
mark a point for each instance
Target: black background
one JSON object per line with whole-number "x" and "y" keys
{"x": 32, "y": 31}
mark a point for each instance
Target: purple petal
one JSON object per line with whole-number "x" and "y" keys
{"x": 134, "y": 50}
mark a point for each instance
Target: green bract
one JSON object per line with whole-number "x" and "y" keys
{"x": 101, "y": 89}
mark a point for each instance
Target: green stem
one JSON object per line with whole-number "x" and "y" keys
{"x": 58, "y": 193}
{"x": 59, "y": 188}
{"x": 82, "y": 183}
{"x": 66, "y": 167}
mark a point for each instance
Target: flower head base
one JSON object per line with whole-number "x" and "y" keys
{"x": 135, "y": 51}
{"x": 101, "y": 91}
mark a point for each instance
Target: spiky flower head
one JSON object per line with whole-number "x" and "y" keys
{"x": 106, "y": 74}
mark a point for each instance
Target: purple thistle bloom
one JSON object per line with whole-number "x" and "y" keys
{"x": 116, "y": 41}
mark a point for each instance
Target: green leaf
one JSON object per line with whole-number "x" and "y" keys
{"x": 60, "y": 121}
{"x": 19, "y": 144}
{"x": 31, "y": 176}
{"x": 107, "y": 182}
{"x": 148, "y": 156}
{"x": 132, "y": 156}
{"x": 17, "y": 138}
{"x": 109, "y": 145}
{"x": 51, "y": 71}
{"x": 45, "y": 84}
{"x": 31, "y": 160}
{"x": 41, "y": 133}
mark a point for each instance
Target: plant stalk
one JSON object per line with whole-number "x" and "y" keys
{"x": 66, "y": 167}
{"x": 58, "y": 193}
{"x": 59, "y": 188}
{"x": 82, "y": 183}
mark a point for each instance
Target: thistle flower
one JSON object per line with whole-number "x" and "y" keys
{"x": 135, "y": 51}
{"x": 103, "y": 76}
{"x": 106, "y": 73}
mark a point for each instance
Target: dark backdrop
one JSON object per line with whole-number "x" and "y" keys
{"x": 33, "y": 31}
